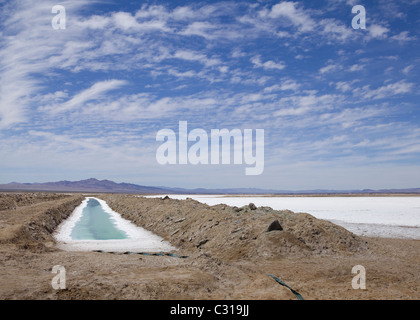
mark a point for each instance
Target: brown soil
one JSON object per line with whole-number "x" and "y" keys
{"x": 230, "y": 254}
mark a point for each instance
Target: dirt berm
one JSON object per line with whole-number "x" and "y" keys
{"x": 31, "y": 218}
{"x": 232, "y": 233}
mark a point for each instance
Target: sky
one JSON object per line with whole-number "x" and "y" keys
{"x": 339, "y": 105}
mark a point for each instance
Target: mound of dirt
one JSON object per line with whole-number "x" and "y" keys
{"x": 32, "y": 226}
{"x": 13, "y": 200}
{"x": 232, "y": 233}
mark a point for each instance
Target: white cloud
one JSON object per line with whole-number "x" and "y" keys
{"x": 407, "y": 69}
{"x": 284, "y": 86}
{"x": 330, "y": 68}
{"x": 343, "y": 86}
{"x": 96, "y": 91}
{"x": 152, "y": 11}
{"x": 297, "y": 16}
{"x": 377, "y": 31}
{"x": 195, "y": 56}
{"x": 299, "y": 105}
{"x": 356, "y": 67}
{"x": 392, "y": 89}
{"x": 335, "y": 30}
{"x": 198, "y": 28}
{"x": 404, "y": 36}
{"x": 184, "y": 13}
{"x": 350, "y": 117}
{"x": 93, "y": 22}
{"x": 237, "y": 53}
{"x": 186, "y": 74}
{"x": 213, "y": 31}
{"x": 129, "y": 23}
{"x": 125, "y": 20}
{"x": 30, "y": 48}
{"x": 268, "y": 64}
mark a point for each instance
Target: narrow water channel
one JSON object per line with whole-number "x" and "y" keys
{"x": 93, "y": 225}
{"x": 96, "y": 224}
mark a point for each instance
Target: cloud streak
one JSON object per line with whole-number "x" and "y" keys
{"x": 95, "y": 92}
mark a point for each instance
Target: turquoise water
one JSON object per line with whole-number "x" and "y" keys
{"x": 96, "y": 224}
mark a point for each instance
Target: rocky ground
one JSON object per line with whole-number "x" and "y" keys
{"x": 230, "y": 253}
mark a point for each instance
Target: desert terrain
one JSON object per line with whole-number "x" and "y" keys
{"x": 229, "y": 253}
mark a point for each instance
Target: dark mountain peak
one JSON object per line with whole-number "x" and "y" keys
{"x": 90, "y": 180}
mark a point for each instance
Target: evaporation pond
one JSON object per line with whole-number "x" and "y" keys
{"x": 96, "y": 224}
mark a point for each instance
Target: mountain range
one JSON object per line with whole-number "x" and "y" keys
{"x": 106, "y": 186}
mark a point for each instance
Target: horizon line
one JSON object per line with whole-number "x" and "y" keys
{"x": 230, "y": 190}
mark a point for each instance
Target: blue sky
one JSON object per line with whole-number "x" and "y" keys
{"x": 339, "y": 106}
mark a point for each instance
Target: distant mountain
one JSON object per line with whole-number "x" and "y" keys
{"x": 88, "y": 185}
{"x": 106, "y": 186}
